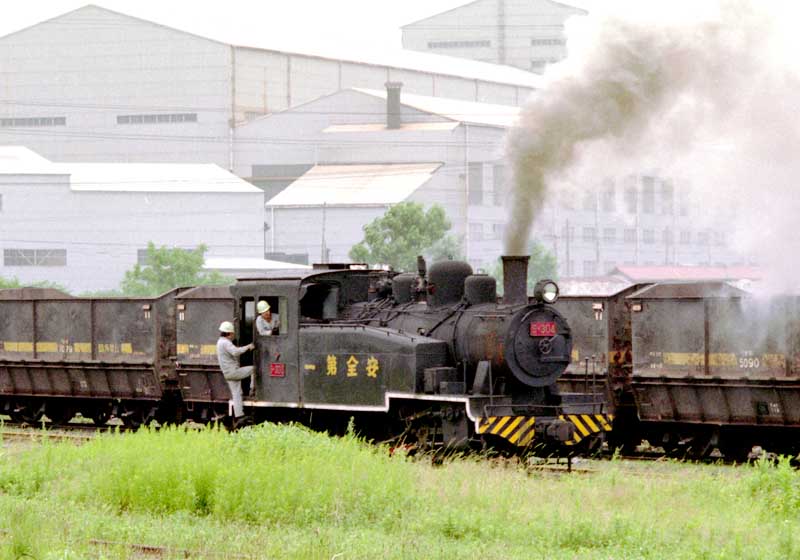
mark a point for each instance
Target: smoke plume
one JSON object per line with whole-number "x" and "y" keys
{"x": 711, "y": 98}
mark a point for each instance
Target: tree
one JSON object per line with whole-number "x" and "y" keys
{"x": 405, "y": 231}
{"x": 169, "y": 268}
{"x": 15, "y": 283}
{"x": 542, "y": 266}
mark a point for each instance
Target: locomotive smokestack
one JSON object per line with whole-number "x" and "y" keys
{"x": 515, "y": 279}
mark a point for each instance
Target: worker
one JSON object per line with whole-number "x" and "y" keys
{"x": 266, "y": 322}
{"x": 228, "y": 357}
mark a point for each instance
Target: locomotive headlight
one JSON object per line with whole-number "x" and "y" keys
{"x": 546, "y": 291}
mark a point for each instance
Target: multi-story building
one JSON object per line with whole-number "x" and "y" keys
{"x": 526, "y": 34}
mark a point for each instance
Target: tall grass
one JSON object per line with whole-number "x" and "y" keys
{"x": 281, "y": 491}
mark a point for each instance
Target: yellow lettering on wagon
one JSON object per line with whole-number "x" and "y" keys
{"x": 331, "y": 366}
{"x": 352, "y": 365}
{"x": 373, "y": 367}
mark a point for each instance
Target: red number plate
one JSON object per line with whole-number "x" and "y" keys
{"x": 277, "y": 370}
{"x": 543, "y": 329}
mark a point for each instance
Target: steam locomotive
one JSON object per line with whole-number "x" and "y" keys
{"x": 430, "y": 358}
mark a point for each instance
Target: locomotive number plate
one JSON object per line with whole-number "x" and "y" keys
{"x": 277, "y": 370}
{"x": 543, "y": 329}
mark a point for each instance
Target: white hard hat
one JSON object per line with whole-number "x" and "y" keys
{"x": 226, "y": 327}
{"x": 262, "y": 307}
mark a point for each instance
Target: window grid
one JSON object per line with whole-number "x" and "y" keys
{"x": 34, "y": 257}
{"x": 157, "y": 119}
{"x": 33, "y": 121}
{"x": 459, "y": 44}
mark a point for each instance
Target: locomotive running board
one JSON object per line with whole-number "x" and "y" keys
{"x": 366, "y": 408}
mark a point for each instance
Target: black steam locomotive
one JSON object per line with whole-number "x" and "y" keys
{"x": 430, "y": 358}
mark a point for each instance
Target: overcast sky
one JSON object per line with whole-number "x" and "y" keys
{"x": 312, "y": 23}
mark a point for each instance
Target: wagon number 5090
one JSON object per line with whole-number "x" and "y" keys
{"x": 749, "y": 363}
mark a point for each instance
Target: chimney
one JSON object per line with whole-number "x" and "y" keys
{"x": 393, "y": 104}
{"x": 515, "y": 279}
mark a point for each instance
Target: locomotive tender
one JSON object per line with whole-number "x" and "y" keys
{"x": 430, "y": 358}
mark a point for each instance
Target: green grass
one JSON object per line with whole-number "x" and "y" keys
{"x": 285, "y": 492}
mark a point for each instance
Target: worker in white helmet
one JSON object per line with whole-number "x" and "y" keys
{"x": 266, "y": 322}
{"x": 228, "y": 356}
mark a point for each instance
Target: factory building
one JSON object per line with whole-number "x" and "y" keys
{"x": 97, "y": 85}
{"x": 356, "y": 152}
{"x": 526, "y": 34}
{"x": 83, "y": 225}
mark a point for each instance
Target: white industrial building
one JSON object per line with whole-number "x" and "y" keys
{"x": 526, "y": 34}
{"x": 82, "y": 225}
{"x": 347, "y": 163}
{"x": 97, "y": 85}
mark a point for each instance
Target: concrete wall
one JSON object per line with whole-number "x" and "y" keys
{"x": 102, "y": 231}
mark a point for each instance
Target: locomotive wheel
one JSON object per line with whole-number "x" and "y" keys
{"x": 59, "y": 413}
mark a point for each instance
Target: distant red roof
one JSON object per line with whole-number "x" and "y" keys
{"x": 638, "y": 274}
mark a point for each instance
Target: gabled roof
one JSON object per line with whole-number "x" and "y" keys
{"x": 688, "y": 290}
{"x": 393, "y": 58}
{"x": 126, "y": 177}
{"x": 19, "y": 160}
{"x": 488, "y": 114}
{"x": 154, "y": 177}
{"x": 687, "y": 273}
{"x": 355, "y": 185}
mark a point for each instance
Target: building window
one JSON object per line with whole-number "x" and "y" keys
{"x": 648, "y": 236}
{"x": 686, "y": 237}
{"x": 539, "y": 63}
{"x": 589, "y": 201}
{"x": 667, "y": 198}
{"x": 589, "y": 234}
{"x": 35, "y": 257}
{"x": 1, "y": 202}
{"x": 631, "y": 199}
{"x": 157, "y": 119}
{"x": 476, "y": 232}
{"x": 609, "y": 235}
{"x": 498, "y": 230}
{"x": 608, "y": 201}
{"x": 719, "y": 238}
{"x": 702, "y": 238}
{"x": 667, "y": 236}
{"x": 499, "y": 183}
{"x": 476, "y": 183}
{"x": 547, "y": 41}
{"x": 459, "y": 44}
{"x": 648, "y": 195}
{"x": 589, "y": 268}
{"x": 630, "y": 235}
{"x": 33, "y": 121}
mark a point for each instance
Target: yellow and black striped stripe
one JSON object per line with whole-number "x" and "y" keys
{"x": 519, "y": 430}
{"x": 587, "y": 424}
